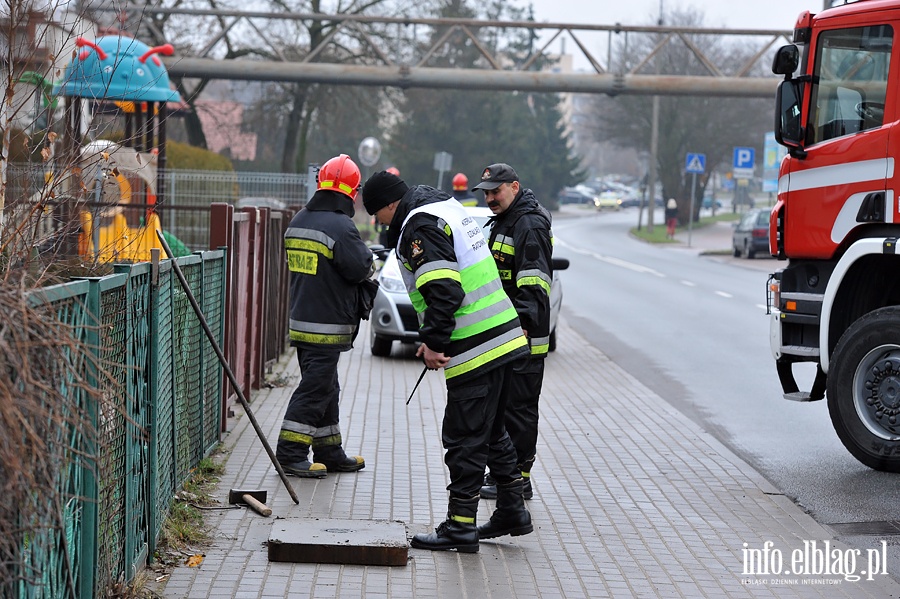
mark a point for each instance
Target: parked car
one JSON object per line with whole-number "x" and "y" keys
{"x": 708, "y": 203}
{"x": 751, "y": 235}
{"x": 393, "y": 317}
{"x": 608, "y": 200}
{"x": 572, "y": 195}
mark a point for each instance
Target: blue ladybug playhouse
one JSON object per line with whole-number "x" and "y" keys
{"x": 125, "y": 77}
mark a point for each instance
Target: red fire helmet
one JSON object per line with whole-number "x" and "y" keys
{"x": 460, "y": 182}
{"x": 340, "y": 174}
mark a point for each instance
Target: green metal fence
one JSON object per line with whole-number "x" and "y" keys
{"x": 161, "y": 389}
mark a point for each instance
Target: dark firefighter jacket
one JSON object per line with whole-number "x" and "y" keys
{"x": 522, "y": 245}
{"x": 454, "y": 285}
{"x": 328, "y": 263}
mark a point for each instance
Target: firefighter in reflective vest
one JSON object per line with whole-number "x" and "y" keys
{"x": 522, "y": 244}
{"x": 461, "y": 191}
{"x": 469, "y": 328}
{"x": 328, "y": 264}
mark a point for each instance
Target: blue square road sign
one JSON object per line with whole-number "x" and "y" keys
{"x": 695, "y": 163}
{"x": 742, "y": 165}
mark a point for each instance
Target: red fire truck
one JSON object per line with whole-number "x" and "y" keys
{"x": 837, "y": 222}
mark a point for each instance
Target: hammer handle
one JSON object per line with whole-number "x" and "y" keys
{"x": 260, "y": 508}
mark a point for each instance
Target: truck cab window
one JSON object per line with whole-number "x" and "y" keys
{"x": 850, "y": 81}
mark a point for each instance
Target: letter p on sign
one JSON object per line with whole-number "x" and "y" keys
{"x": 743, "y": 163}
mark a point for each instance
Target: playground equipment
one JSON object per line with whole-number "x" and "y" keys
{"x": 116, "y": 186}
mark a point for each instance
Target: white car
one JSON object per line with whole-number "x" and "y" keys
{"x": 393, "y": 317}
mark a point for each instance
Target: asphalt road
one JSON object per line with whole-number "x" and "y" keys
{"x": 694, "y": 329}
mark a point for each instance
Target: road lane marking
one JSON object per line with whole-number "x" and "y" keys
{"x": 689, "y": 283}
{"x": 723, "y": 294}
{"x": 613, "y": 261}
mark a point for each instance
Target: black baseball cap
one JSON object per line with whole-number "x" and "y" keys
{"x": 496, "y": 175}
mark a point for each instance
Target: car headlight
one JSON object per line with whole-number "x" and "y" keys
{"x": 390, "y": 278}
{"x": 392, "y": 284}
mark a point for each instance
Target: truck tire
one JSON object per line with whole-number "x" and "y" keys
{"x": 380, "y": 346}
{"x": 863, "y": 389}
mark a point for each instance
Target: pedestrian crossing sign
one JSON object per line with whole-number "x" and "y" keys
{"x": 695, "y": 163}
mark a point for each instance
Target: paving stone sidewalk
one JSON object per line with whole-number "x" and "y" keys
{"x": 632, "y": 499}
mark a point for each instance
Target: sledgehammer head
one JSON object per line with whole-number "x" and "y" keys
{"x": 256, "y": 499}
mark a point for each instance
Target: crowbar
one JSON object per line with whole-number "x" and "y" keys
{"x": 226, "y": 367}
{"x": 421, "y": 376}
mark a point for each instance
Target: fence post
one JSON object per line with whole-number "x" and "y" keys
{"x": 90, "y": 494}
{"x": 221, "y": 235}
{"x": 152, "y": 403}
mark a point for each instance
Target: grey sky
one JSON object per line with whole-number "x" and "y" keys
{"x": 733, "y": 14}
{"x": 753, "y": 14}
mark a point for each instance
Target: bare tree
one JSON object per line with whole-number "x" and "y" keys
{"x": 695, "y": 124}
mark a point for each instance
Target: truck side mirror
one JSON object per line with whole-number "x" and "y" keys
{"x": 788, "y": 130}
{"x": 786, "y": 60}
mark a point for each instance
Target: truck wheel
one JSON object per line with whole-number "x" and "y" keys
{"x": 380, "y": 346}
{"x": 864, "y": 389}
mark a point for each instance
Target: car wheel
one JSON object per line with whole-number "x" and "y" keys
{"x": 551, "y": 346}
{"x": 746, "y": 251}
{"x": 863, "y": 389}
{"x": 735, "y": 252}
{"x": 380, "y": 346}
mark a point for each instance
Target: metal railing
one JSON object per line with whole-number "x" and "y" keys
{"x": 159, "y": 416}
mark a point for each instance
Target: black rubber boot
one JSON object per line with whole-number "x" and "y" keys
{"x": 511, "y": 517}
{"x": 489, "y": 488}
{"x": 458, "y": 531}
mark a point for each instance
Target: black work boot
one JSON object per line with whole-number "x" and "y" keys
{"x": 510, "y": 517}
{"x": 489, "y": 488}
{"x": 293, "y": 458}
{"x": 527, "y": 491}
{"x": 458, "y": 531}
{"x": 525, "y": 469}
{"x": 336, "y": 460}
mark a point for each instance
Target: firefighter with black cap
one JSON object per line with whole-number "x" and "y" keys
{"x": 330, "y": 289}
{"x": 470, "y": 329}
{"x": 522, "y": 245}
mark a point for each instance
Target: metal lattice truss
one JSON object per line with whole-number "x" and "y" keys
{"x": 390, "y": 51}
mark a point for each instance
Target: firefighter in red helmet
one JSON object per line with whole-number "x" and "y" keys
{"x": 330, "y": 289}
{"x": 461, "y": 191}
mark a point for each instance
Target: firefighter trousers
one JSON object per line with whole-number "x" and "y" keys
{"x": 474, "y": 435}
{"x": 526, "y": 379}
{"x": 312, "y": 415}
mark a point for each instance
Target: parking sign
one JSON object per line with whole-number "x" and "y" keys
{"x": 742, "y": 166}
